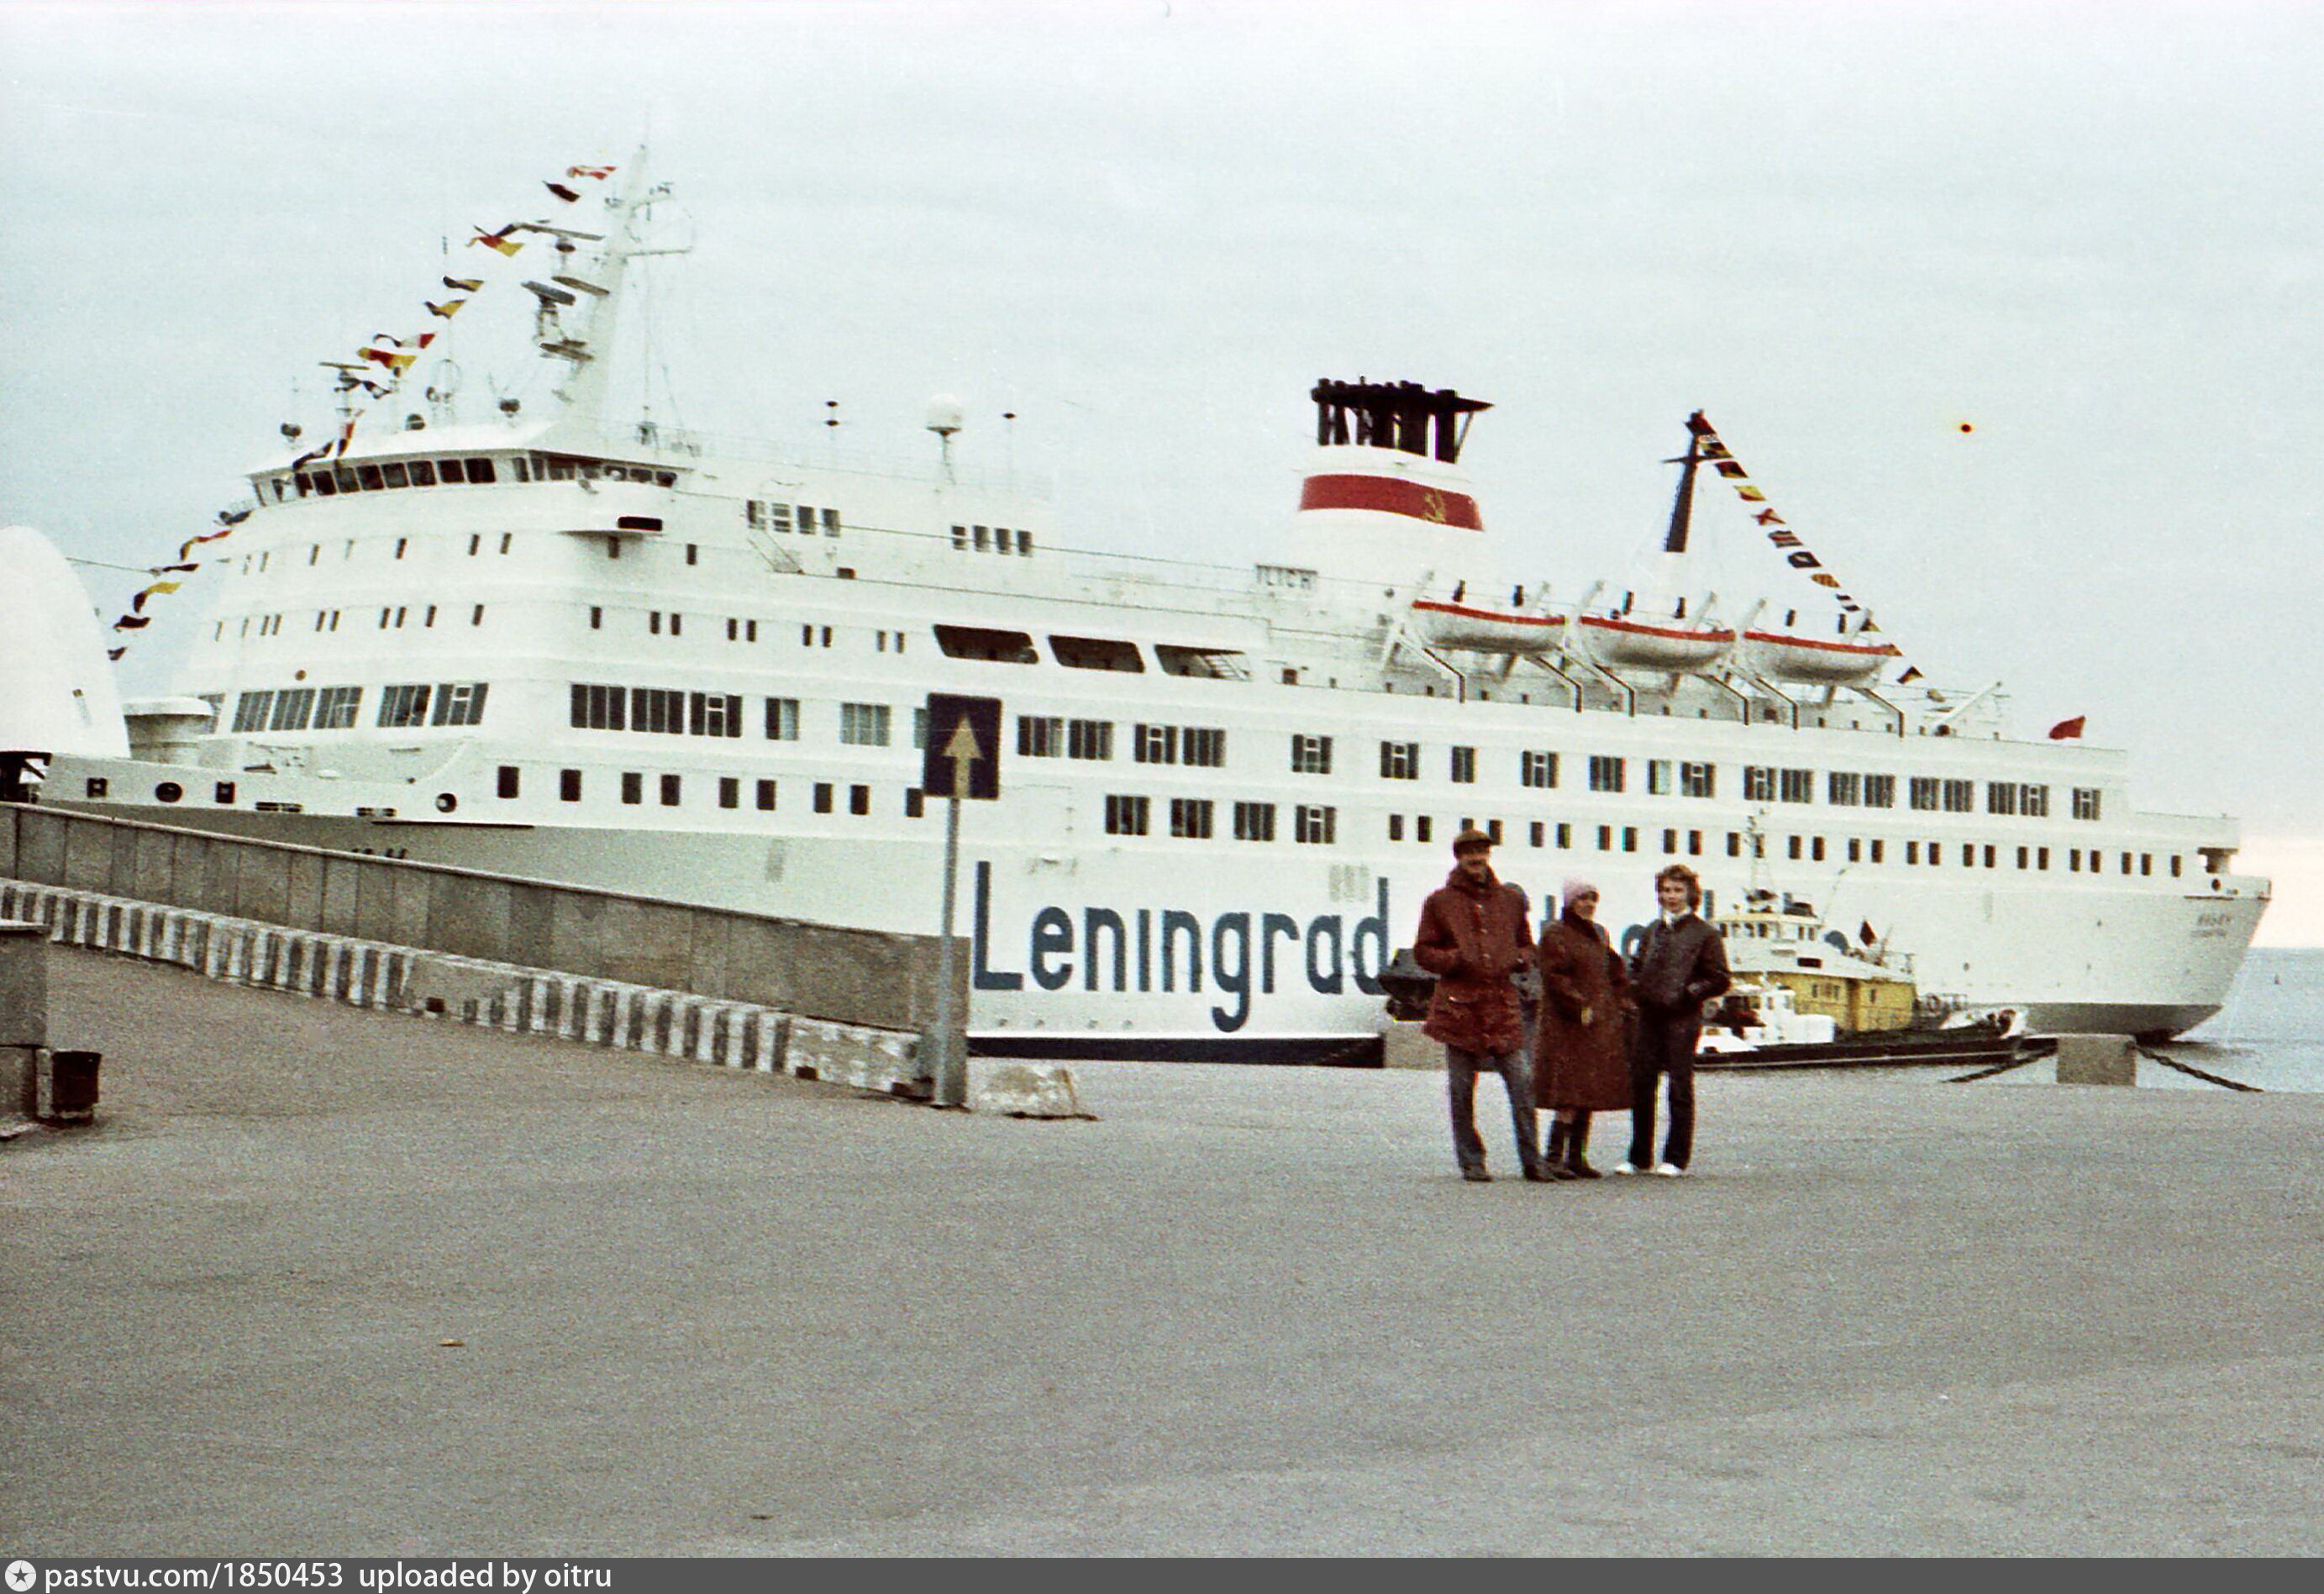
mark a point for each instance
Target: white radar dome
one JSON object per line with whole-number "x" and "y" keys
{"x": 56, "y": 694}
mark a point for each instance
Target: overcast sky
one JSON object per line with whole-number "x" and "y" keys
{"x": 2090, "y": 235}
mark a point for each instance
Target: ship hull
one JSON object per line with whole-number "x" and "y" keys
{"x": 1095, "y": 951}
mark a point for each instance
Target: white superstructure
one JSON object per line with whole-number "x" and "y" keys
{"x": 633, "y": 658}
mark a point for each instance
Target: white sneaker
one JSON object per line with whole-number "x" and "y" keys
{"x": 1670, "y": 1170}
{"x": 1629, "y": 1167}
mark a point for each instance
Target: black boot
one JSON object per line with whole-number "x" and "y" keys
{"x": 1553, "y": 1154}
{"x": 1577, "y": 1137}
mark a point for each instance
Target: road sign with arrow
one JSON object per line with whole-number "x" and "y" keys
{"x": 961, "y": 758}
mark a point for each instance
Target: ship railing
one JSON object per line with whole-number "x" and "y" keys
{"x": 697, "y": 445}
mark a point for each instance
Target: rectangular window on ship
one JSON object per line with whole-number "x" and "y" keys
{"x": 460, "y": 703}
{"x": 1040, "y": 736}
{"x": 1088, "y": 739}
{"x": 1155, "y": 745}
{"x": 1464, "y": 766}
{"x": 1759, "y": 783}
{"x": 400, "y": 706}
{"x": 713, "y": 713}
{"x": 1314, "y": 824}
{"x": 1399, "y": 760}
{"x": 658, "y": 709}
{"x": 1311, "y": 755}
{"x": 1537, "y": 769}
{"x": 1254, "y": 822}
{"x": 1126, "y": 816}
{"x": 336, "y": 707}
{"x": 1604, "y": 772}
{"x": 863, "y": 725}
{"x": 251, "y": 709}
{"x": 1698, "y": 780}
{"x": 1190, "y": 818}
{"x": 293, "y": 707}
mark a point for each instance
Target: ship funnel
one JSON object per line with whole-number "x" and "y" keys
{"x": 1386, "y": 498}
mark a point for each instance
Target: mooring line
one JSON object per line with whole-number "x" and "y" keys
{"x": 1962, "y": 1079}
{"x": 2232, "y": 1084}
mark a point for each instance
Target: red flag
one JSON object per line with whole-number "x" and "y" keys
{"x": 2067, "y": 730}
{"x": 500, "y": 240}
{"x": 599, "y": 172}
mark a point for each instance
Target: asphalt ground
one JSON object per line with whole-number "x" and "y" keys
{"x": 334, "y": 1282}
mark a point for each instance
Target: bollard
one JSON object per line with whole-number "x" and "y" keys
{"x": 67, "y": 1088}
{"x": 2097, "y": 1060}
{"x": 23, "y": 1015}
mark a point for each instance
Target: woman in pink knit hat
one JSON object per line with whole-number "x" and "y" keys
{"x": 1581, "y": 1049}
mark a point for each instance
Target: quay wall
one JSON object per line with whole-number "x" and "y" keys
{"x": 846, "y": 976}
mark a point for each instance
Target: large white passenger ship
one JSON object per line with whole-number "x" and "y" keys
{"x": 621, "y": 657}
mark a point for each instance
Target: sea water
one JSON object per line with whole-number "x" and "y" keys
{"x": 2270, "y": 1033}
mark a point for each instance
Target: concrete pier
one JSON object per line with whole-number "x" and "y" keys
{"x": 707, "y": 1311}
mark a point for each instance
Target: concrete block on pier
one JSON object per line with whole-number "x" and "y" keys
{"x": 852, "y": 1054}
{"x": 1402, "y": 1045}
{"x": 1030, "y": 1089}
{"x": 454, "y": 982}
{"x": 23, "y": 985}
{"x": 2097, "y": 1060}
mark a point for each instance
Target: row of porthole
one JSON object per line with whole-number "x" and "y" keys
{"x": 170, "y": 791}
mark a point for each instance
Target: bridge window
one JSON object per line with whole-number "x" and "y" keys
{"x": 996, "y": 647}
{"x": 1218, "y": 664}
{"x": 1096, "y": 653}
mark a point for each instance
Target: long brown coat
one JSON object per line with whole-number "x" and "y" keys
{"x": 1473, "y": 936}
{"x": 1583, "y": 1066}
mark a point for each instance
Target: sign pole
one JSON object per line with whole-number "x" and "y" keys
{"x": 960, "y": 757}
{"x": 951, "y": 1065}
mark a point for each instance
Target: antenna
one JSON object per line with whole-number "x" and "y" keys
{"x": 944, "y": 419}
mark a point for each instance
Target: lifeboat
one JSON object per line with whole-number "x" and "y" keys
{"x": 1815, "y": 662}
{"x": 1443, "y": 624}
{"x": 1621, "y": 642}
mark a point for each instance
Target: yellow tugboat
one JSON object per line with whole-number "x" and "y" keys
{"x": 1785, "y": 945}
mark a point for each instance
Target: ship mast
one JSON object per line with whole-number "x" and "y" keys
{"x": 587, "y": 350}
{"x": 1682, "y": 507}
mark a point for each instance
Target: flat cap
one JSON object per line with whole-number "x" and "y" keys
{"x": 1470, "y": 839}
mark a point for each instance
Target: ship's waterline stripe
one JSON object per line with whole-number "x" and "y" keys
{"x": 472, "y": 991}
{"x": 1392, "y": 496}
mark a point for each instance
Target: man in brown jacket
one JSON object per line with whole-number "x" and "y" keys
{"x": 1474, "y": 937}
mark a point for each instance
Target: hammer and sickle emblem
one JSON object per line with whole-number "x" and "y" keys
{"x": 1432, "y": 506}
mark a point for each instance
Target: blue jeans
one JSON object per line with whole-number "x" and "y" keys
{"x": 1516, "y": 1069}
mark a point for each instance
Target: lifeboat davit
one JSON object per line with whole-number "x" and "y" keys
{"x": 1816, "y": 661}
{"x": 1619, "y": 642}
{"x": 1443, "y": 624}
